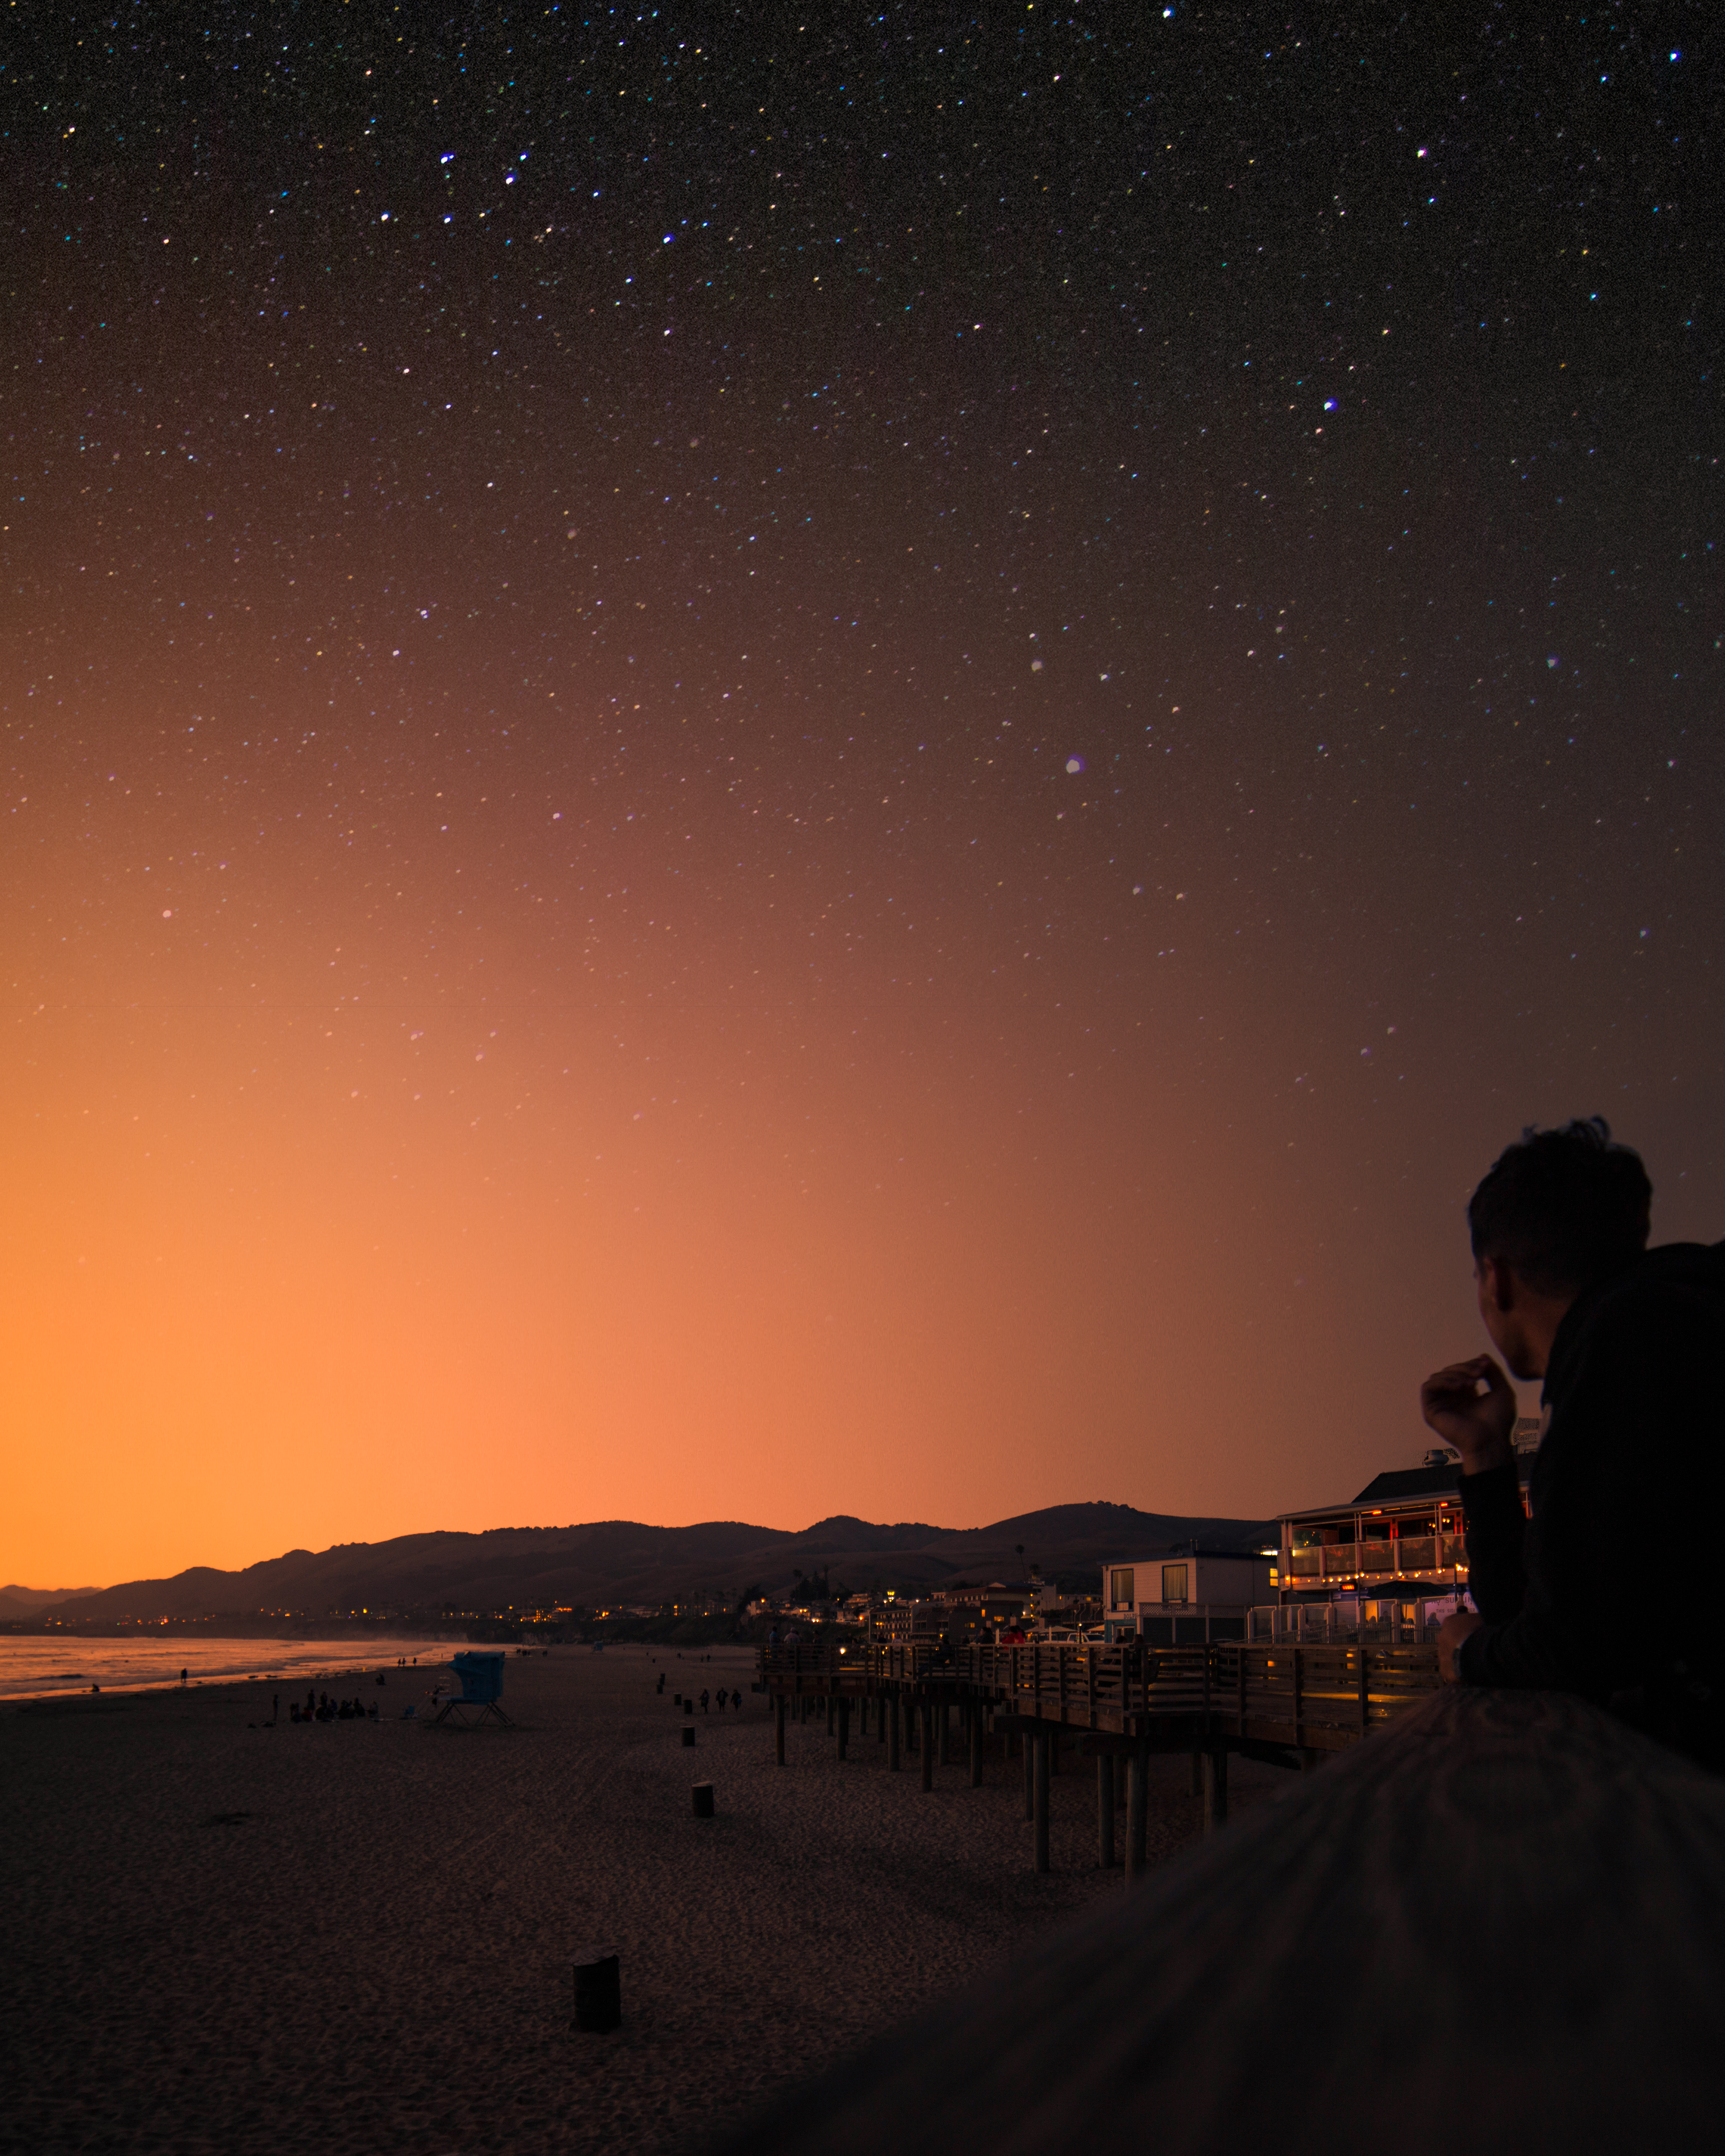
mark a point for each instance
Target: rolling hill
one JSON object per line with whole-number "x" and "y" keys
{"x": 625, "y": 1561}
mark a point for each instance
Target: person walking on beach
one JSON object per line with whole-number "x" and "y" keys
{"x": 703, "y": 1699}
{"x": 1630, "y": 1344}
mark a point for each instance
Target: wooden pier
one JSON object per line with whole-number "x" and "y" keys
{"x": 1289, "y": 1705}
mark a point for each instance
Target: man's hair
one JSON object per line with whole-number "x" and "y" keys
{"x": 1563, "y": 1209}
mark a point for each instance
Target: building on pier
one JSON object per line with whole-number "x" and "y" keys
{"x": 1401, "y": 1539}
{"x": 1181, "y": 1598}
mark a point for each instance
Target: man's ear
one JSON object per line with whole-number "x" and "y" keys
{"x": 1497, "y": 1284}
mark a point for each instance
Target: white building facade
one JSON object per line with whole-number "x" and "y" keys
{"x": 1181, "y": 1600}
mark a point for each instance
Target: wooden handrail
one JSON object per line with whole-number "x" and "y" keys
{"x": 1499, "y": 1926}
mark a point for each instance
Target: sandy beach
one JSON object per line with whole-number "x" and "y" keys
{"x": 356, "y": 1939}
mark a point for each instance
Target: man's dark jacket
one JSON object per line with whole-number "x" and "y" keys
{"x": 1609, "y": 1589}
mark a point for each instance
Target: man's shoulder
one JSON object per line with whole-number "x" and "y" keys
{"x": 1672, "y": 1273}
{"x": 1674, "y": 1295}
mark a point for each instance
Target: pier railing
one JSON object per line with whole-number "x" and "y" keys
{"x": 1307, "y": 1697}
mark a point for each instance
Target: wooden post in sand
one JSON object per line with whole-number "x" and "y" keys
{"x": 832, "y": 1712}
{"x": 1105, "y": 1810}
{"x": 1215, "y": 1789}
{"x": 779, "y": 1727}
{"x": 598, "y": 1993}
{"x": 1041, "y": 1748}
{"x": 890, "y": 1714}
{"x": 1137, "y": 1810}
{"x": 926, "y": 1738}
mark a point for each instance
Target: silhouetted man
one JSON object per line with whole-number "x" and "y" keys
{"x": 1607, "y": 1590}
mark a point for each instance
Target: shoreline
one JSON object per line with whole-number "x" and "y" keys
{"x": 315, "y": 1668}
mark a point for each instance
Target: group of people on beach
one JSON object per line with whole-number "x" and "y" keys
{"x": 721, "y": 1698}
{"x": 320, "y": 1708}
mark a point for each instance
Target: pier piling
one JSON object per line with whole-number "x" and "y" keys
{"x": 1215, "y": 1789}
{"x": 1137, "y": 1811}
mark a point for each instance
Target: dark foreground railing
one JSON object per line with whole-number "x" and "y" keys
{"x": 1498, "y": 1929}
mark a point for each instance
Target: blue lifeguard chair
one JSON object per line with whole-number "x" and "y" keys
{"x": 482, "y": 1693}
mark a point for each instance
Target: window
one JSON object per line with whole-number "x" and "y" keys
{"x": 1174, "y": 1583}
{"x": 1121, "y": 1585}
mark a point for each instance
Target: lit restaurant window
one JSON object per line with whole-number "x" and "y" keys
{"x": 1120, "y": 1588}
{"x": 1174, "y": 1583}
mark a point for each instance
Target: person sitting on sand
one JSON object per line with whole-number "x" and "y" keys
{"x": 1629, "y": 1343}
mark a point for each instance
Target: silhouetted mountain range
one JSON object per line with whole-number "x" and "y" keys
{"x": 624, "y": 1561}
{"x": 15, "y": 1602}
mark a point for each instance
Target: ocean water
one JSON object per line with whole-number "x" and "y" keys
{"x": 34, "y": 1668}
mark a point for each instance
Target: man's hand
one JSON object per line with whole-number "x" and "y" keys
{"x": 1451, "y": 1634}
{"x": 1477, "y": 1424}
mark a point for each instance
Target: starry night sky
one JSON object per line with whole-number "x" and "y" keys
{"x": 770, "y": 761}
